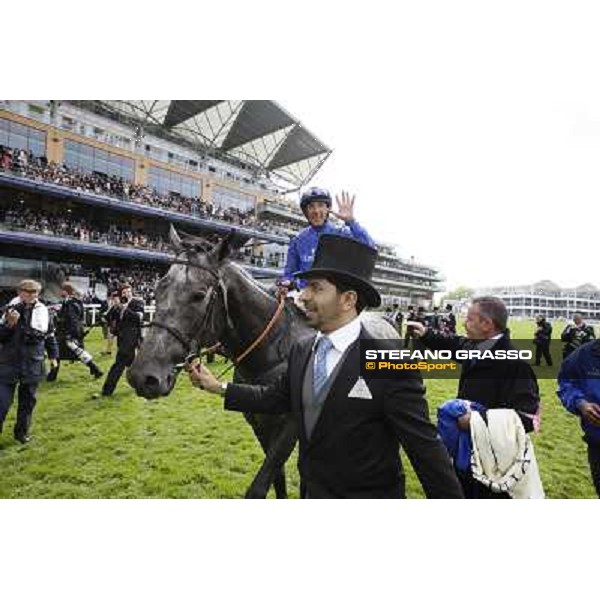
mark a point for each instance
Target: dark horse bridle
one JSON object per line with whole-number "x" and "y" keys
{"x": 188, "y": 343}
{"x": 185, "y": 341}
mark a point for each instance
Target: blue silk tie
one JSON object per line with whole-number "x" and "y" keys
{"x": 324, "y": 345}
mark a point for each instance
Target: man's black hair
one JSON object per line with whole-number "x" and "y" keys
{"x": 344, "y": 284}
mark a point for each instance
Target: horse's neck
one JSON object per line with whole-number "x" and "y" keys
{"x": 250, "y": 309}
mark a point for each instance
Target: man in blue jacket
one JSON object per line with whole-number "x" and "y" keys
{"x": 316, "y": 206}
{"x": 579, "y": 391}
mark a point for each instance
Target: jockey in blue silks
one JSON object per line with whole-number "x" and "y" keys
{"x": 316, "y": 206}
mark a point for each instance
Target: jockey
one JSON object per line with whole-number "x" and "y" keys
{"x": 315, "y": 203}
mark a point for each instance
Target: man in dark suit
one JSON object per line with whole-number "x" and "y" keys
{"x": 129, "y": 336}
{"x": 541, "y": 340}
{"x": 350, "y": 428}
{"x": 487, "y": 382}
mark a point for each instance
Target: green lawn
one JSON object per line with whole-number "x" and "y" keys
{"x": 187, "y": 446}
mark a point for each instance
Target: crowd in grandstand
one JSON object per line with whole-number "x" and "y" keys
{"x": 39, "y": 220}
{"x": 45, "y": 222}
{"x": 25, "y": 164}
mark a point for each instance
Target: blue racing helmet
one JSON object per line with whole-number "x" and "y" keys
{"x": 314, "y": 194}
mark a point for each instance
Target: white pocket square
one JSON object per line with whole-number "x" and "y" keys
{"x": 360, "y": 390}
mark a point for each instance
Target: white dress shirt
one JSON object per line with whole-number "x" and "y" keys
{"x": 340, "y": 338}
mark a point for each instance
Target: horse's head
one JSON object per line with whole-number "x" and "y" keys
{"x": 190, "y": 312}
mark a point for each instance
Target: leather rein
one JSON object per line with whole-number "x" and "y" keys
{"x": 188, "y": 343}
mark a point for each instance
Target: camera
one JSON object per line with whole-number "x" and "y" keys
{"x": 30, "y": 335}
{"x": 18, "y": 307}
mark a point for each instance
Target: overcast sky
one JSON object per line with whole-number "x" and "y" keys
{"x": 478, "y": 149}
{"x": 469, "y": 130}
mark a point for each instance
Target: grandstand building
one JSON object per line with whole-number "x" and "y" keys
{"x": 548, "y": 299}
{"x": 94, "y": 186}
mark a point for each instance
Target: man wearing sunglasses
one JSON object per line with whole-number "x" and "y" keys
{"x": 315, "y": 203}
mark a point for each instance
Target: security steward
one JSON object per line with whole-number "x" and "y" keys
{"x": 129, "y": 336}
{"x": 70, "y": 332}
{"x": 350, "y": 427}
{"x": 579, "y": 391}
{"x": 25, "y": 335}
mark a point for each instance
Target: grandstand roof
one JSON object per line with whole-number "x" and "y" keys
{"x": 257, "y": 133}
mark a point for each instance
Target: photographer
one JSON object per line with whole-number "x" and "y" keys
{"x": 576, "y": 334}
{"x": 70, "y": 332}
{"x": 109, "y": 319}
{"x": 129, "y": 336}
{"x": 25, "y": 332}
{"x": 447, "y": 322}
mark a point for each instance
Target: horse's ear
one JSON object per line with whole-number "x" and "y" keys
{"x": 175, "y": 239}
{"x": 223, "y": 249}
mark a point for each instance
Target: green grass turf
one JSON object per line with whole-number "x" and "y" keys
{"x": 187, "y": 446}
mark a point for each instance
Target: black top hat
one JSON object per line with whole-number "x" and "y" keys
{"x": 345, "y": 258}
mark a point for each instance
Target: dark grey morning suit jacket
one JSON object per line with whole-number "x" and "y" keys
{"x": 353, "y": 449}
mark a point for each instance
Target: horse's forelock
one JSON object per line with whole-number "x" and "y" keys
{"x": 196, "y": 245}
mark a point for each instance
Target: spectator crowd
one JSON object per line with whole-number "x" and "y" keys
{"x": 23, "y": 163}
{"x": 18, "y": 216}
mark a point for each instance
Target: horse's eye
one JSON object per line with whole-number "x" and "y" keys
{"x": 198, "y": 296}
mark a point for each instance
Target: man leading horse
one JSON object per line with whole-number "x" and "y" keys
{"x": 204, "y": 298}
{"x": 350, "y": 428}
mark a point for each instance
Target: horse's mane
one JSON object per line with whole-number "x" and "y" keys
{"x": 248, "y": 277}
{"x": 291, "y": 308}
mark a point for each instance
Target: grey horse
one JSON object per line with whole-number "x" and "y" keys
{"x": 206, "y": 298}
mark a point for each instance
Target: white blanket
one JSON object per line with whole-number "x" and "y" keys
{"x": 502, "y": 457}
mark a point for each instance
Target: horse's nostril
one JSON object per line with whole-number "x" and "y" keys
{"x": 151, "y": 382}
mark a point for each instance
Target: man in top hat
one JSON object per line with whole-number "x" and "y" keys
{"x": 25, "y": 334}
{"x": 315, "y": 203}
{"x": 350, "y": 428}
